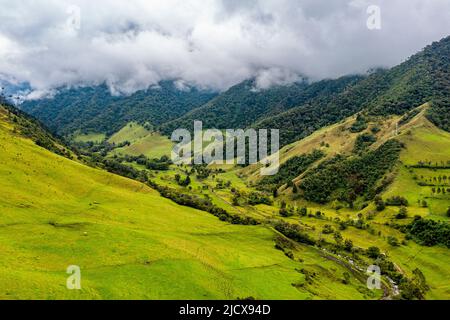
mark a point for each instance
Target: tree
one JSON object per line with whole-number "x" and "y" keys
{"x": 348, "y": 245}
{"x": 379, "y": 203}
{"x": 448, "y": 212}
{"x": 185, "y": 182}
{"x": 373, "y": 252}
{"x": 338, "y": 238}
{"x": 327, "y": 229}
{"x": 346, "y": 279}
{"x": 402, "y": 213}
{"x": 235, "y": 200}
{"x": 393, "y": 241}
{"x": 284, "y": 212}
{"x": 304, "y": 211}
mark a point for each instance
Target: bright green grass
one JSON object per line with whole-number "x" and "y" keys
{"x": 90, "y": 137}
{"x": 131, "y": 132}
{"x": 153, "y": 145}
{"x": 426, "y": 142}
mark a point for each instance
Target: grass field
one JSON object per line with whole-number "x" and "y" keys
{"x": 90, "y": 137}
{"x": 131, "y": 132}
{"x": 150, "y": 144}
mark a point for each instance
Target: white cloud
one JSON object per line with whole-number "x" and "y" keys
{"x": 132, "y": 45}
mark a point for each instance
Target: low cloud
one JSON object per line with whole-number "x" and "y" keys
{"x": 132, "y": 45}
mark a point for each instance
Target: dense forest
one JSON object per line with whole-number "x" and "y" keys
{"x": 243, "y": 105}
{"x": 346, "y": 178}
{"x": 94, "y": 109}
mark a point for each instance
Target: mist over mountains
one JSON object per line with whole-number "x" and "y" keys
{"x": 215, "y": 45}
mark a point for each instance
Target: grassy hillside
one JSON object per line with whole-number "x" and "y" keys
{"x": 141, "y": 141}
{"x": 89, "y": 137}
{"x": 131, "y": 132}
{"x": 131, "y": 243}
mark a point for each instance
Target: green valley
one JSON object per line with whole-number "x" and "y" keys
{"x": 363, "y": 184}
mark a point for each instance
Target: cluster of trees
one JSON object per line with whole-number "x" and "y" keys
{"x": 202, "y": 171}
{"x": 102, "y": 148}
{"x": 359, "y": 125}
{"x": 438, "y": 190}
{"x": 203, "y": 204}
{"x": 161, "y": 164}
{"x": 433, "y": 181}
{"x": 294, "y": 232}
{"x": 402, "y": 213}
{"x": 397, "y": 201}
{"x": 345, "y": 178}
{"x": 254, "y": 198}
{"x": 363, "y": 141}
{"x": 427, "y": 232}
{"x": 290, "y": 170}
{"x": 432, "y": 165}
{"x": 379, "y": 203}
{"x": 410, "y": 289}
{"x": 124, "y": 170}
{"x": 183, "y": 182}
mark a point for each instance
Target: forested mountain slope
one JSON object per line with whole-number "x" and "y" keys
{"x": 425, "y": 77}
{"x": 243, "y": 104}
{"x": 94, "y": 109}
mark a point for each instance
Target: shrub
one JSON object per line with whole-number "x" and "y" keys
{"x": 373, "y": 252}
{"x": 397, "y": 201}
{"x": 393, "y": 241}
{"x": 402, "y": 213}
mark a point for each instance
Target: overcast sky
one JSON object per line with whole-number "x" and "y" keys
{"x": 136, "y": 43}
